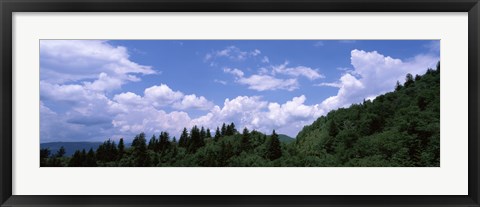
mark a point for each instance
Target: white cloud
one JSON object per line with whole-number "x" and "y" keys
{"x": 104, "y": 83}
{"x": 307, "y": 72}
{"x": 374, "y": 74}
{"x": 233, "y": 53}
{"x": 235, "y": 72}
{"x": 265, "y": 83}
{"x": 193, "y": 102}
{"x": 162, "y": 95}
{"x": 335, "y": 85}
{"x": 75, "y": 60}
{"x": 255, "y": 113}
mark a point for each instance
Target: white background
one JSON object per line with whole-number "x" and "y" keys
{"x": 449, "y": 179}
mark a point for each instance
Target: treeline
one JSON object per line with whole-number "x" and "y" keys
{"x": 197, "y": 147}
{"x": 400, "y": 128}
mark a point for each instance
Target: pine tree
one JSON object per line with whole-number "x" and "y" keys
{"x": 163, "y": 142}
{"x": 333, "y": 128}
{"x": 196, "y": 140}
{"x": 183, "y": 141}
{"x": 44, "y": 154}
{"x": 398, "y": 86}
{"x": 245, "y": 146}
{"x": 224, "y": 130}
{"x": 209, "y": 135}
{"x": 408, "y": 80}
{"x": 90, "y": 160}
{"x": 76, "y": 160}
{"x": 121, "y": 149}
{"x": 152, "y": 144}
{"x": 60, "y": 152}
{"x": 274, "y": 150}
{"x": 140, "y": 155}
{"x": 217, "y": 134}
{"x": 203, "y": 134}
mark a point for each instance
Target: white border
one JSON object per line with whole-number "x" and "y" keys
{"x": 449, "y": 179}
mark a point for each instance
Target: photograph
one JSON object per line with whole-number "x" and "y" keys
{"x": 239, "y": 103}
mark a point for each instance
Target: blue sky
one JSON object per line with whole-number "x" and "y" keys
{"x": 94, "y": 90}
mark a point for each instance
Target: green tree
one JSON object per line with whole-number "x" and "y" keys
{"x": 183, "y": 141}
{"x": 408, "y": 80}
{"x": 246, "y": 144}
{"x": 44, "y": 154}
{"x": 61, "y": 152}
{"x": 223, "y": 130}
{"x": 90, "y": 160}
{"x": 209, "y": 135}
{"x": 121, "y": 149}
{"x": 274, "y": 150}
{"x": 217, "y": 134}
{"x": 139, "y": 144}
{"x": 152, "y": 144}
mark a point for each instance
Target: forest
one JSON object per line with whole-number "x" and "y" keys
{"x": 397, "y": 129}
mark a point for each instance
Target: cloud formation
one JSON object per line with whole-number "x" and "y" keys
{"x": 88, "y": 105}
{"x": 374, "y": 74}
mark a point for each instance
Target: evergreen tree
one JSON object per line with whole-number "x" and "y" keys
{"x": 164, "y": 143}
{"x": 121, "y": 148}
{"x": 140, "y": 155}
{"x": 183, "y": 141}
{"x": 203, "y": 134}
{"x": 152, "y": 144}
{"x": 44, "y": 154}
{"x": 196, "y": 140}
{"x": 408, "y": 80}
{"x": 76, "y": 160}
{"x": 274, "y": 150}
{"x": 60, "y": 152}
{"x": 217, "y": 134}
{"x": 398, "y": 86}
{"x": 246, "y": 145}
{"x": 209, "y": 135}
{"x": 224, "y": 130}
{"x": 90, "y": 160}
{"x": 333, "y": 128}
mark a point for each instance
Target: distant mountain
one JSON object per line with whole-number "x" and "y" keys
{"x": 285, "y": 138}
{"x": 70, "y": 147}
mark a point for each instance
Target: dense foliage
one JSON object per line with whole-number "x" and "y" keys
{"x": 400, "y": 128}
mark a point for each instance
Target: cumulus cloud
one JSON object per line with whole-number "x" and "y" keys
{"x": 193, "y": 102}
{"x": 74, "y": 60}
{"x": 162, "y": 95}
{"x": 374, "y": 74}
{"x": 254, "y": 113}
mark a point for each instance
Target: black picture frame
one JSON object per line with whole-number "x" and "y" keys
{"x": 7, "y": 7}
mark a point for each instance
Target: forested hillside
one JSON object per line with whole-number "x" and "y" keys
{"x": 399, "y": 128}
